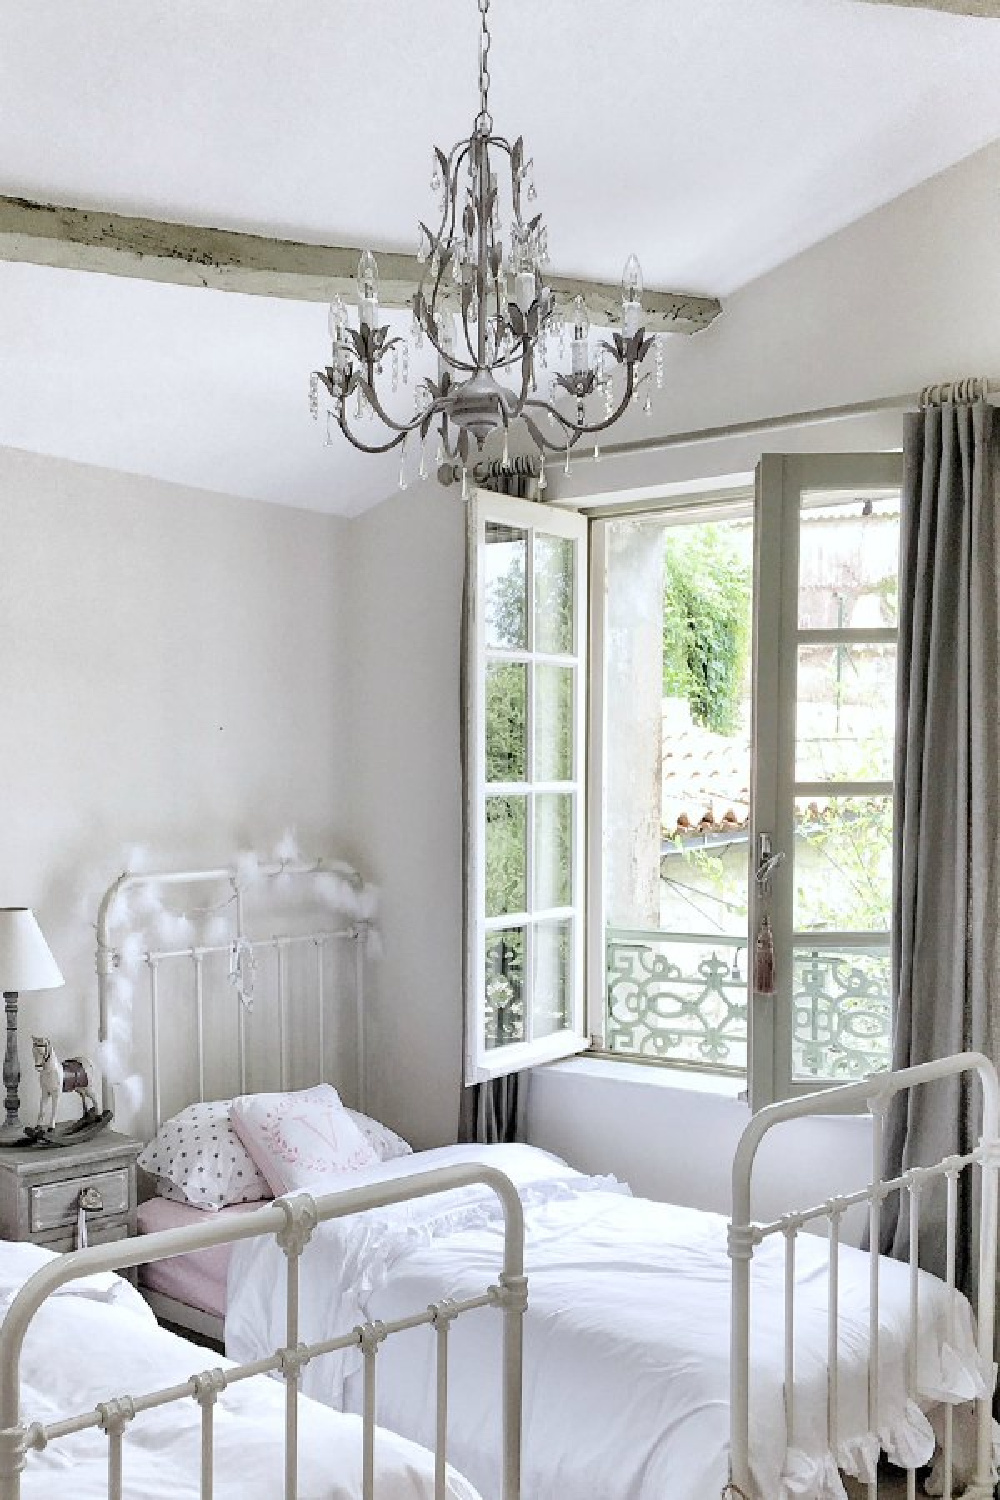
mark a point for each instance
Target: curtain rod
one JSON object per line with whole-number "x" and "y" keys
{"x": 975, "y": 388}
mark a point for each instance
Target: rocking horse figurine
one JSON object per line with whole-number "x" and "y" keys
{"x": 75, "y": 1075}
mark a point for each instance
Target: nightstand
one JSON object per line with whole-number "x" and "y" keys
{"x": 40, "y": 1191}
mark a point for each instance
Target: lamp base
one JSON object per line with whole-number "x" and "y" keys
{"x": 11, "y": 1069}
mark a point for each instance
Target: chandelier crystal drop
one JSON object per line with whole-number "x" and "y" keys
{"x": 483, "y": 306}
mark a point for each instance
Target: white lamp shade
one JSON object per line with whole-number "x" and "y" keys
{"x": 25, "y": 960}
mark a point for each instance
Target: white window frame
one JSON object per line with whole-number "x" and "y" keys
{"x": 482, "y": 1063}
{"x": 779, "y": 483}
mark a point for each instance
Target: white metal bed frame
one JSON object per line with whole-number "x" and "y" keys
{"x": 875, "y": 1094}
{"x": 113, "y": 930}
{"x": 348, "y": 929}
{"x": 292, "y": 1220}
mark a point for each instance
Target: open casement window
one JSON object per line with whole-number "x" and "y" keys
{"x": 525, "y": 704}
{"x": 825, "y": 634}
{"x": 742, "y": 700}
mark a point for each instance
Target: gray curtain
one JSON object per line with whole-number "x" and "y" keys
{"x": 488, "y": 1112}
{"x": 945, "y": 946}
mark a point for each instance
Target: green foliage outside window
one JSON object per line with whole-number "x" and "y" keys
{"x": 706, "y": 624}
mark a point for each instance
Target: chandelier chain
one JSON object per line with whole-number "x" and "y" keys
{"x": 485, "y": 121}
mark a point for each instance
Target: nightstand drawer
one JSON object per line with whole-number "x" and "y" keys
{"x": 98, "y": 1233}
{"x": 56, "y": 1203}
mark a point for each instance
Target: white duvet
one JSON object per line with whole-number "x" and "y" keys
{"x": 626, "y": 1393}
{"x": 96, "y": 1339}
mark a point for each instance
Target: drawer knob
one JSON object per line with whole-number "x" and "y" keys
{"x": 91, "y": 1201}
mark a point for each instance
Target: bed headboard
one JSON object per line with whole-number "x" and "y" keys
{"x": 231, "y": 980}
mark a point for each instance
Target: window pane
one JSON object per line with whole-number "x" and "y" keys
{"x": 504, "y": 987}
{"x": 845, "y": 713}
{"x": 840, "y": 1026}
{"x": 848, "y": 562}
{"x": 843, "y": 864}
{"x": 553, "y": 850}
{"x": 506, "y": 588}
{"x": 553, "y": 723}
{"x": 553, "y": 958}
{"x": 684, "y": 1001}
{"x": 506, "y": 742}
{"x": 553, "y": 593}
{"x": 506, "y": 855}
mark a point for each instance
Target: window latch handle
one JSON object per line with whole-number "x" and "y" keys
{"x": 768, "y": 861}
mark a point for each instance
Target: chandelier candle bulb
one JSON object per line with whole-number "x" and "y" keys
{"x": 367, "y": 279}
{"x": 631, "y": 297}
{"x": 581, "y": 337}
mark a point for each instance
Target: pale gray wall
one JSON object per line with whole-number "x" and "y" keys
{"x": 407, "y": 560}
{"x": 173, "y": 675}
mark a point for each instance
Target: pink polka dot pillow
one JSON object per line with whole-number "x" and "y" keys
{"x": 300, "y": 1139}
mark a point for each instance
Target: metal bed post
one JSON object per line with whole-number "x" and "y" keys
{"x": 982, "y": 1486}
{"x": 360, "y": 937}
{"x": 241, "y": 1010}
{"x": 878, "y": 1106}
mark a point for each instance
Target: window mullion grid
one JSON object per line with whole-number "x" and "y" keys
{"x": 509, "y": 918}
{"x": 517, "y": 788}
{"x": 528, "y": 990}
{"x": 543, "y": 658}
{"x": 578, "y": 767}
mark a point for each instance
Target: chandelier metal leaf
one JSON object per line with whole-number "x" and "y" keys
{"x": 483, "y": 305}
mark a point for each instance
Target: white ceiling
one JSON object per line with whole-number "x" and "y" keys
{"x": 717, "y": 139}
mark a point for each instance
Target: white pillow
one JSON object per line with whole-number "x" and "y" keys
{"x": 298, "y": 1139}
{"x": 386, "y": 1144}
{"x": 197, "y": 1157}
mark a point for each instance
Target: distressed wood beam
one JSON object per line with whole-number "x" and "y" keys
{"x": 989, "y": 9}
{"x": 80, "y": 239}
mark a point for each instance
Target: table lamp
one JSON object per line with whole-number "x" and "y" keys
{"x": 25, "y": 964}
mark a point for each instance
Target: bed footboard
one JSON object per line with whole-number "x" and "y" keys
{"x": 745, "y": 1235}
{"x": 292, "y": 1221}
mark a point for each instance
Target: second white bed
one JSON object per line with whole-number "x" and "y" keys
{"x": 626, "y": 1383}
{"x": 95, "y": 1340}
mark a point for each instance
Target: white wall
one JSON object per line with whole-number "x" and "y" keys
{"x": 907, "y": 296}
{"x": 172, "y": 675}
{"x": 407, "y": 560}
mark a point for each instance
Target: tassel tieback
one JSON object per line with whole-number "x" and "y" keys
{"x": 763, "y": 966}
{"x": 733, "y": 1492}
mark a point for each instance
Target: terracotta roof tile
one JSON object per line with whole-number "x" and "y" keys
{"x": 705, "y": 778}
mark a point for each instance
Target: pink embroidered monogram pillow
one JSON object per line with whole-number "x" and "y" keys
{"x": 300, "y": 1138}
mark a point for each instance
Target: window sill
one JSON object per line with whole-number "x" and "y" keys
{"x": 644, "y": 1075}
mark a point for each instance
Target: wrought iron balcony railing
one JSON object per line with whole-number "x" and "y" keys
{"x": 682, "y": 998}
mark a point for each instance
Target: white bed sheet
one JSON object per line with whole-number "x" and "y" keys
{"x": 97, "y": 1339}
{"x": 626, "y": 1393}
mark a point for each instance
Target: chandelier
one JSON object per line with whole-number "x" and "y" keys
{"x": 483, "y": 305}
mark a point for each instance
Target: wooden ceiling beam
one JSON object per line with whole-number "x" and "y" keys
{"x": 80, "y": 239}
{"x": 988, "y": 9}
